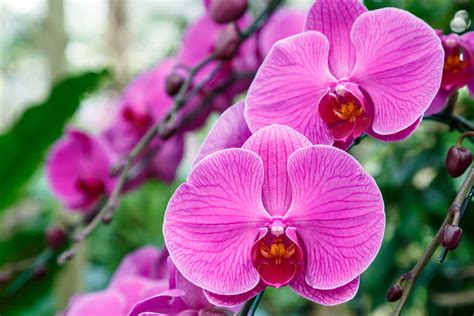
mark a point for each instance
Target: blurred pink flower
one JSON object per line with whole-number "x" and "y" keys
{"x": 142, "y": 274}
{"x": 277, "y": 211}
{"x": 351, "y": 72}
{"x": 78, "y": 170}
{"x": 145, "y": 102}
{"x": 182, "y": 298}
{"x": 229, "y": 131}
{"x": 199, "y": 41}
{"x": 146, "y": 282}
{"x": 458, "y": 70}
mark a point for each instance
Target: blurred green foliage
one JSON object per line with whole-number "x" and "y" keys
{"x": 416, "y": 188}
{"x": 22, "y": 148}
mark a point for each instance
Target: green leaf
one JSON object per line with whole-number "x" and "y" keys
{"x": 22, "y": 148}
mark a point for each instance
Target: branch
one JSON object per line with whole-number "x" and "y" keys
{"x": 164, "y": 129}
{"x": 412, "y": 276}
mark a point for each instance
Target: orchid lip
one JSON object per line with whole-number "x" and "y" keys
{"x": 344, "y": 110}
{"x": 277, "y": 258}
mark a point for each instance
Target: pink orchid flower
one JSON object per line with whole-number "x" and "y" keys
{"x": 272, "y": 31}
{"x": 277, "y": 211}
{"x": 229, "y": 131}
{"x": 145, "y": 102}
{"x": 458, "y": 70}
{"x": 199, "y": 41}
{"x": 351, "y": 72}
{"x": 182, "y": 298}
{"x": 142, "y": 274}
{"x": 78, "y": 170}
{"x": 145, "y": 282}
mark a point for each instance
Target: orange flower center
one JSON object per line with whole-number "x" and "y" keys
{"x": 277, "y": 250}
{"x": 455, "y": 62}
{"x": 348, "y": 111}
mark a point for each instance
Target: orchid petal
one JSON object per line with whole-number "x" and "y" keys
{"x": 397, "y": 136}
{"x": 167, "y": 302}
{"x": 147, "y": 261}
{"x": 167, "y": 158}
{"x": 337, "y": 210}
{"x": 234, "y": 300}
{"x": 335, "y": 19}
{"x": 273, "y": 32}
{"x": 399, "y": 63}
{"x": 194, "y": 297}
{"x": 212, "y": 221}
{"x": 137, "y": 288}
{"x": 289, "y": 84}
{"x": 98, "y": 304}
{"x": 274, "y": 144}
{"x": 230, "y": 131}
{"x": 325, "y": 297}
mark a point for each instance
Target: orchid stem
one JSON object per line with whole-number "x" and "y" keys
{"x": 464, "y": 193}
{"x": 251, "y": 305}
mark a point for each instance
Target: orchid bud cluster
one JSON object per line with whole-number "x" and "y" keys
{"x": 273, "y": 198}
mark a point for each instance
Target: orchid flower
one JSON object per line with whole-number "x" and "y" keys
{"x": 200, "y": 40}
{"x": 277, "y": 211}
{"x": 78, "y": 170}
{"x": 351, "y": 72}
{"x": 141, "y": 274}
{"x": 182, "y": 298}
{"x": 458, "y": 69}
{"x": 145, "y": 102}
{"x": 145, "y": 282}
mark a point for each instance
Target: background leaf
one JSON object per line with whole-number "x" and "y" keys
{"x": 22, "y": 148}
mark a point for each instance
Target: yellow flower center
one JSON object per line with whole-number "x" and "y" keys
{"x": 277, "y": 251}
{"x": 348, "y": 111}
{"x": 454, "y": 63}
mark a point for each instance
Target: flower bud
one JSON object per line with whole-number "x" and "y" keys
{"x": 458, "y": 160}
{"x": 450, "y": 237}
{"x": 394, "y": 293}
{"x": 55, "y": 237}
{"x": 227, "y": 43}
{"x": 174, "y": 81}
{"x": 226, "y": 11}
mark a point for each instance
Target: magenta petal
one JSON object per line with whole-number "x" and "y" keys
{"x": 397, "y": 136}
{"x": 194, "y": 297}
{"x": 234, "y": 300}
{"x": 273, "y": 31}
{"x": 147, "y": 261}
{"x": 108, "y": 302}
{"x": 334, "y": 19}
{"x": 325, "y": 297}
{"x": 137, "y": 288}
{"x": 399, "y": 63}
{"x": 212, "y": 222}
{"x": 289, "y": 85}
{"x": 274, "y": 144}
{"x": 439, "y": 102}
{"x": 79, "y": 157}
{"x": 167, "y": 159}
{"x": 167, "y": 302}
{"x": 337, "y": 210}
{"x": 230, "y": 131}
